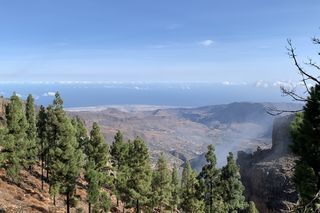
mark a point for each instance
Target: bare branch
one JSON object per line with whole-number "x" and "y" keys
{"x": 316, "y": 40}
{"x": 313, "y": 64}
{"x": 292, "y": 93}
{"x": 291, "y": 52}
{"x": 275, "y": 112}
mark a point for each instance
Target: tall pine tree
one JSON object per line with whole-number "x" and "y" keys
{"x": 175, "y": 189}
{"x": 15, "y": 140}
{"x": 97, "y": 168}
{"x": 210, "y": 179}
{"x": 42, "y": 139}
{"x": 139, "y": 179}
{"x": 93, "y": 189}
{"x": 66, "y": 159}
{"x": 32, "y": 149}
{"x": 161, "y": 180}
{"x": 232, "y": 186}
{"x": 118, "y": 150}
{"x": 119, "y": 155}
{"x": 189, "y": 197}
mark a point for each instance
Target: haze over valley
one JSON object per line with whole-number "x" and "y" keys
{"x": 184, "y": 133}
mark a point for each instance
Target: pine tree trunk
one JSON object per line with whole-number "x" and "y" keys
{"x": 89, "y": 208}
{"x": 211, "y": 196}
{"x": 137, "y": 206}
{"x": 123, "y": 209}
{"x": 42, "y": 175}
{"x": 318, "y": 182}
{"x": 117, "y": 202}
{"x": 54, "y": 200}
{"x": 68, "y": 203}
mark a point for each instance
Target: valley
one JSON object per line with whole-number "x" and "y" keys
{"x": 184, "y": 133}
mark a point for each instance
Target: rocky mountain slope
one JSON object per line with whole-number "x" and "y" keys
{"x": 27, "y": 196}
{"x": 184, "y": 133}
{"x": 267, "y": 174}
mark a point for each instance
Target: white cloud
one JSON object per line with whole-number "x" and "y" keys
{"x": 229, "y": 83}
{"x": 206, "y": 43}
{"x": 291, "y": 85}
{"x": 226, "y": 83}
{"x": 49, "y": 94}
{"x": 285, "y": 84}
{"x": 19, "y": 95}
{"x": 262, "y": 83}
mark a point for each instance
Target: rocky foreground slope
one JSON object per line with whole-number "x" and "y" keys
{"x": 267, "y": 174}
{"x": 27, "y": 196}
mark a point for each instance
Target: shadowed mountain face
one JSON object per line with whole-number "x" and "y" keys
{"x": 267, "y": 174}
{"x": 184, "y": 133}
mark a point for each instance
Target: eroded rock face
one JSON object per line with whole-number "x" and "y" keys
{"x": 3, "y": 104}
{"x": 267, "y": 174}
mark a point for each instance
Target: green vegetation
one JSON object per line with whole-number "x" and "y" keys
{"x": 31, "y": 149}
{"x": 15, "y": 141}
{"x": 189, "y": 183}
{"x": 161, "y": 180}
{"x": 306, "y": 136}
{"x": 97, "y": 170}
{"x": 68, "y": 154}
{"x": 139, "y": 174}
{"x": 232, "y": 186}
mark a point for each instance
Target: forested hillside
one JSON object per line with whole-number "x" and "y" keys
{"x": 47, "y": 153}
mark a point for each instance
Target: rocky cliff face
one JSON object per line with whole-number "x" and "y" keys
{"x": 3, "y": 104}
{"x": 267, "y": 174}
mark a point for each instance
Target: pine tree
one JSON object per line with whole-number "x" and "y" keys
{"x": 232, "y": 187}
{"x": 121, "y": 182}
{"x": 139, "y": 178}
{"x": 306, "y": 138}
{"x": 118, "y": 150}
{"x": 119, "y": 155}
{"x": 41, "y": 139}
{"x": 97, "y": 167}
{"x": 252, "y": 208}
{"x": 81, "y": 132}
{"x": 189, "y": 183}
{"x": 66, "y": 159}
{"x": 161, "y": 180}
{"x": 15, "y": 139}
{"x": 31, "y": 152}
{"x": 175, "y": 189}
{"x": 51, "y": 129}
{"x": 93, "y": 190}
{"x": 104, "y": 203}
{"x": 97, "y": 150}
{"x": 210, "y": 178}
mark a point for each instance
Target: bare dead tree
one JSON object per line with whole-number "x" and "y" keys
{"x": 307, "y": 79}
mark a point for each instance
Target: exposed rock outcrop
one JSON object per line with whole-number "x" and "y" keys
{"x": 267, "y": 174}
{"x": 3, "y": 104}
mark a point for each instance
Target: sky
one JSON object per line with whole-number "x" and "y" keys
{"x": 228, "y": 41}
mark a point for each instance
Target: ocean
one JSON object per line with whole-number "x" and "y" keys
{"x": 86, "y": 94}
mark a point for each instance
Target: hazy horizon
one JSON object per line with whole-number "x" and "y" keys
{"x": 183, "y": 94}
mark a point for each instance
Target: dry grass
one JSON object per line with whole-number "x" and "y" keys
{"x": 27, "y": 196}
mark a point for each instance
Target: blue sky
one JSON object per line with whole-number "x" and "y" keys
{"x": 164, "y": 40}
